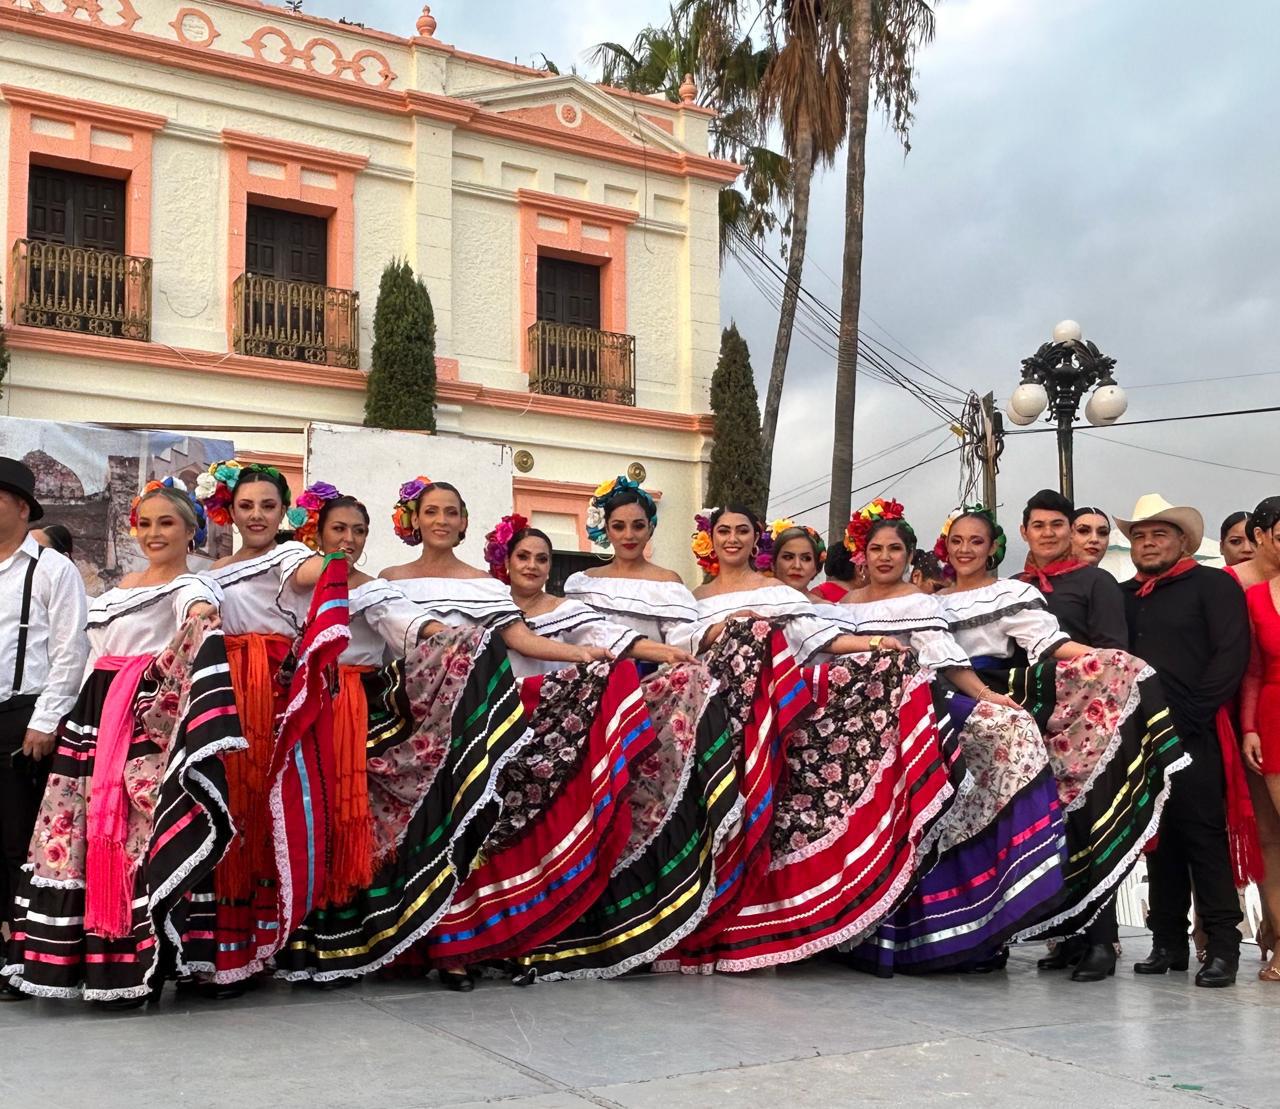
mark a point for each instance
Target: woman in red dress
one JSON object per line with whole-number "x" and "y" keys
{"x": 1260, "y": 705}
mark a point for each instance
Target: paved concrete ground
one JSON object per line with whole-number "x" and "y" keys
{"x": 813, "y": 1035}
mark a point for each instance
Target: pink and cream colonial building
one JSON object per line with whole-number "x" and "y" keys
{"x": 199, "y": 200}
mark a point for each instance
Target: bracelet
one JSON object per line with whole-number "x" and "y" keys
{"x": 875, "y": 642}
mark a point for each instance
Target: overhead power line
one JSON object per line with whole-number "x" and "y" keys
{"x": 1153, "y": 420}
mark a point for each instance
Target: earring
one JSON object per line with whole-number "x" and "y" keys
{"x": 991, "y": 562}
{"x": 363, "y": 556}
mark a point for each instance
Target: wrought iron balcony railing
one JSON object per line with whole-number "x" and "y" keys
{"x": 581, "y": 362}
{"x": 296, "y": 321}
{"x": 73, "y": 288}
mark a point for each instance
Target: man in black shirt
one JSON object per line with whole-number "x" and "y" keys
{"x": 1190, "y": 623}
{"x": 1090, "y": 607}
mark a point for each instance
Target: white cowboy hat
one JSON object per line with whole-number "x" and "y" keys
{"x": 1152, "y": 507}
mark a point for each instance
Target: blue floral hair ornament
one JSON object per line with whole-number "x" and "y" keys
{"x": 605, "y": 497}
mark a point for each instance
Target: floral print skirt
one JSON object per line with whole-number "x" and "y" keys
{"x": 565, "y": 820}
{"x": 865, "y": 781}
{"x": 1113, "y": 749}
{"x": 177, "y": 828}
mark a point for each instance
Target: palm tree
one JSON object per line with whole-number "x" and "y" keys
{"x": 727, "y": 70}
{"x": 805, "y": 88}
{"x": 880, "y": 42}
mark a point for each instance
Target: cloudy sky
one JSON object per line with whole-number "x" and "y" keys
{"x": 1109, "y": 162}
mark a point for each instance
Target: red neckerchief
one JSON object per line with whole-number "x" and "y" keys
{"x": 1039, "y": 575}
{"x": 1150, "y": 581}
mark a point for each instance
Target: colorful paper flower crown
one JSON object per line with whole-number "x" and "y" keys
{"x": 178, "y": 486}
{"x": 860, "y": 523}
{"x": 310, "y": 501}
{"x": 998, "y": 547}
{"x": 604, "y": 497}
{"x": 405, "y": 512}
{"x": 497, "y": 542}
{"x": 704, "y": 550}
{"x": 216, "y": 489}
{"x": 779, "y": 526}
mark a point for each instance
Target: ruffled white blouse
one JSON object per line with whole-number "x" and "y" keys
{"x": 574, "y": 623}
{"x": 916, "y": 619}
{"x": 252, "y": 592}
{"x": 142, "y": 620}
{"x": 383, "y": 622}
{"x": 806, "y": 631}
{"x": 663, "y": 611}
{"x": 996, "y": 619}
{"x": 462, "y": 602}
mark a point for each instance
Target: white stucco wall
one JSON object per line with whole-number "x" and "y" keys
{"x": 436, "y": 193}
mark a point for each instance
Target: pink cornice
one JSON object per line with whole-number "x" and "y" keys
{"x": 263, "y": 146}
{"x": 66, "y": 107}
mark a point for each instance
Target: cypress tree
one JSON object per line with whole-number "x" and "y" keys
{"x": 737, "y": 469}
{"x": 401, "y": 390}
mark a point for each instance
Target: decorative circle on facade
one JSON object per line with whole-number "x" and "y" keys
{"x": 523, "y": 460}
{"x": 636, "y": 472}
{"x": 192, "y": 27}
{"x": 568, "y": 115}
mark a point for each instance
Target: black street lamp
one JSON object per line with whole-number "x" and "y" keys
{"x": 1056, "y": 377}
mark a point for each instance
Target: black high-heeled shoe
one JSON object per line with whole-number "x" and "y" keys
{"x": 1099, "y": 962}
{"x": 459, "y": 981}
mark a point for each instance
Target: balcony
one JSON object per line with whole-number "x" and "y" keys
{"x": 296, "y": 321}
{"x": 581, "y": 362}
{"x": 73, "y": 288}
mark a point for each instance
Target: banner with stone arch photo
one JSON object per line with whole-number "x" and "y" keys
{"x": 87, "y": 476}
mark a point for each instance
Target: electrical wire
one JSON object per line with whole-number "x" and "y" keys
{"x": 1153, "y": 420}
{"x": 1180, "y": 457}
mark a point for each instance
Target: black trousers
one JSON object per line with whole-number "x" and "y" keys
{"x": 1104, "y": 930}
{"x": 22, "y": 783}
{"x": 1193, "y": 848}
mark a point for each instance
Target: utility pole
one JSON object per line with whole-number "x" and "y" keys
{"x": 989, "y": 450}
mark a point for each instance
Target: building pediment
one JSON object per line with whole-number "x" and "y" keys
{"x": 574, "y": 106}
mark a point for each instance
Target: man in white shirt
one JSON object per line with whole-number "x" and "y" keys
{"x": 42, "y": 657}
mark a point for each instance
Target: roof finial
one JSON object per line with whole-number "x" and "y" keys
{"x": 427, "y": 23}
{"x": 688, "y": 90}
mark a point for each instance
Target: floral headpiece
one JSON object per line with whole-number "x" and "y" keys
{"x": 775, "y": 529}
{"x": 405, "y": 513}
{"x": 998, "y": 547}
{"x": 496, "y": 544}
{"x": 178, "y": 486}
{"x": 216, "y": 488}
{"x": 601, "y": 501}
{"x": 704, "y": 550}
{"x": 310, "y": 501}
{"x": 859, "y": 527}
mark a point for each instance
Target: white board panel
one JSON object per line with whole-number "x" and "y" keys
{"x": 370, "y": 464}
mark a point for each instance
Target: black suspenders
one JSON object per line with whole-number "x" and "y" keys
{"x": 24, "y": 622}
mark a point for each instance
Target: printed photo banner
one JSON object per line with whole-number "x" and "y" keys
{"x": 86, "y": 477}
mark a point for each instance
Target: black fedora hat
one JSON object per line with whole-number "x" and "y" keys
{"x": 18, "y": 478}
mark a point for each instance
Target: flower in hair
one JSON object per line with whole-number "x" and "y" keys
{"x": 405, "y": 513}
{"x": 497, "y": 544}
{"x": 216, "y": 487}
{"x": 859, "y": 527}
{"x": 602, "y": 499}
{"x": 774, "y": 530}
{"x": 178, "y": 486}
{"x": 305, "y": 513}
{"x": 999, "y": 544}
{"x": 703, "y": 549}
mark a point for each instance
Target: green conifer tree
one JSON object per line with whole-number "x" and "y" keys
{"x": 737, "y": 470}
{"x": 401, "y": 390}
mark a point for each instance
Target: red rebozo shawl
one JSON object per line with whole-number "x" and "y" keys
{"x": 302, "y": 772}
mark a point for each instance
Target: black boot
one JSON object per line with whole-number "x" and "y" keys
{"x": 1067, "y": 953}
{"x": 1217, "y": 973}
{"x": 1162, "y": 960}
{"x": 459, "y": 981}
{"x": 1099, "y": 962}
